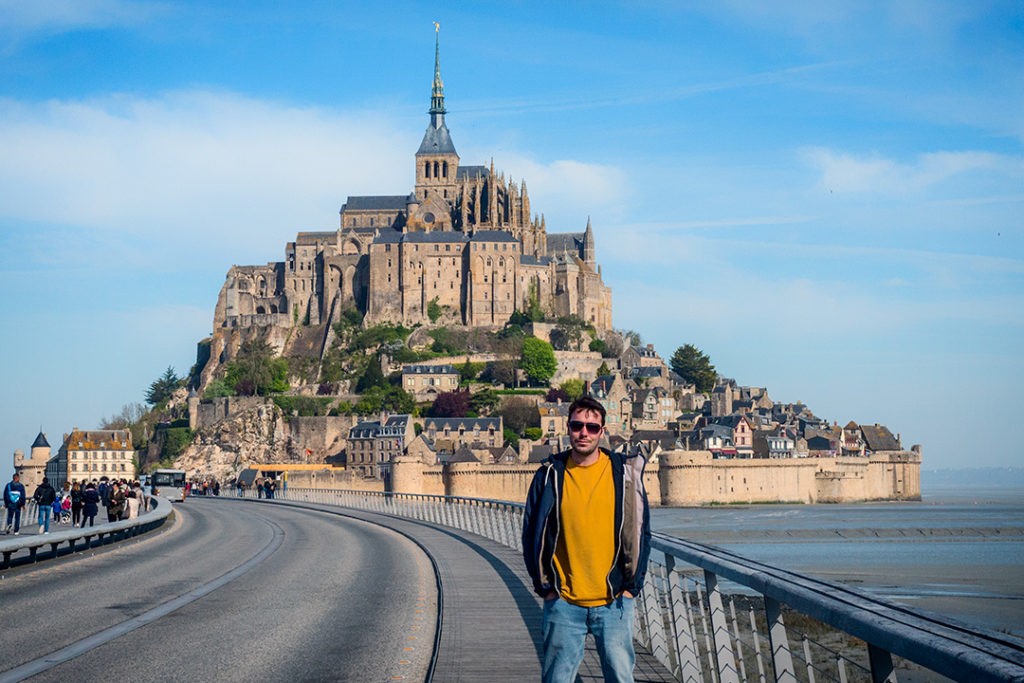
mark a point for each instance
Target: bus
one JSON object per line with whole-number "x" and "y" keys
{"x": 168, "y": 483}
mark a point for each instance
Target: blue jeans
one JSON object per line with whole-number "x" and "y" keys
{"x": 44, "y": 517}
{"x": 15, "y": 515}
{"x": 565, "y": 627}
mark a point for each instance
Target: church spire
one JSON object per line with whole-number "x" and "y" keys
{"x": 437, "y": 92}
{"x": 437, "y": 140}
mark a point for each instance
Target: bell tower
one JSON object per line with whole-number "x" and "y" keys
{"x": 437, "y": 162}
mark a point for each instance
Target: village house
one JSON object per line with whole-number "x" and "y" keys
{"x": 91, "y": 454}
{"x": 374, "y": 444}
{"x": 610, "y": 391}
{"x": 475, "y": 432}
{"x": 554, "y": 419}
{"x": 653, "y": 408}
{"x": 425, "y": 382}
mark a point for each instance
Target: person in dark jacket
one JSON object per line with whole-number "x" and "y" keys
{"x": 115, "y": 506}
{"x": 14, "y": 501}
{"x": 44, "y": 496}
{"x": 76, "y": 504}
{"x": 90, "y": 504}
{"x": 586, "y": 541}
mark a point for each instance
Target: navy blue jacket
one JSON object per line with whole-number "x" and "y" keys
{"x": 10, "y": 488}
{"x": 632, "y": 524}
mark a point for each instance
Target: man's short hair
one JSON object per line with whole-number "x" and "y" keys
{"x": 587, "y": 403}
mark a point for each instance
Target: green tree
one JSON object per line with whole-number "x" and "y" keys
{"x": 484, "y": 402}
{"x": 573, "y": 388}
{"x": 538, "y": 360}
{"x": 373, "y": 377}
{"x": 162, "y": 387}
{"x": 694, "y": 366}
{"x": 434, "y": 310}
{"x": 603, "y": 370}
{"x": 257, "y": 370}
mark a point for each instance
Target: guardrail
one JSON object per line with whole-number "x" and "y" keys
{"x": 160, "y": 509}
{"x": 711, "y": 616}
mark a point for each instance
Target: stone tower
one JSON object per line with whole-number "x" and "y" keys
{"x": 437, "y": 162}
{"x": 33, "y": 469}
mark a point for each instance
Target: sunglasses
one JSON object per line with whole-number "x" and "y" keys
{"x": 591, "y": 427}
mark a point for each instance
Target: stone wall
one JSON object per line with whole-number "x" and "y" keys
{"x": 694, "y": 478}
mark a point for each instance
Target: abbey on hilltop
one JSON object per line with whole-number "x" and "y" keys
{"x": 462, "y": 248}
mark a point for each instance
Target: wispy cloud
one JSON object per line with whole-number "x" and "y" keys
{"x": 845, "y": 172}
{"x": 22, "y": 20}
{"x": 192, "y": 165}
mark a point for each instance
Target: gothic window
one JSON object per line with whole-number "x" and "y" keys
{"x": 435, "y": 169}
{"x": 426, "y": 171}
{"x": 444, "y": 171}
{"x": 353, "y": 222}
{"x": 371, "y": 222}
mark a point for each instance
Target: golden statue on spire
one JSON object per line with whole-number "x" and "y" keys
{"x": 437, "y": 27}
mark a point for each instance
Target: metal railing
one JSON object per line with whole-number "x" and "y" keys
{"x": 711, "y": 616}
{"x": 30, "y": 544}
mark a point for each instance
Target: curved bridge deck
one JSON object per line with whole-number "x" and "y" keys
{"x": 490, "y": 614}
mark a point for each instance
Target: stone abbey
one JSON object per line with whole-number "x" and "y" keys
{"x": 462, "y": 248}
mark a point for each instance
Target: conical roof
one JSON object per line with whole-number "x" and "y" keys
{"x": 41, "y": 441}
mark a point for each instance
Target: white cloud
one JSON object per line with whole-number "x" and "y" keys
{"x": 58, "y": 16}
{"x": 565, "y": 190}
{"x": 844, "y": 172}
{"x": 193, "y": 165}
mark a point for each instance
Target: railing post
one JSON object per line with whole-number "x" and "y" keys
{"x": 682, "y": 626}
{"x": 724, "y": 658}
{"x": 882, "y": 670}
{"x": 655, "y": 620}
{"x": 782, "y": 658}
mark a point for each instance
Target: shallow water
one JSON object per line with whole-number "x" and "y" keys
{"x": 959, "y": 552}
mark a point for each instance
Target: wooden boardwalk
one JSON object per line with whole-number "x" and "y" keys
{"x": 491, "y": 616}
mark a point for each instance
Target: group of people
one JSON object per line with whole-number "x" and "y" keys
{"x": 121, "y": 499}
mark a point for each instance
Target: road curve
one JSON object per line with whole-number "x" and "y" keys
{"x": 259, "y": 592}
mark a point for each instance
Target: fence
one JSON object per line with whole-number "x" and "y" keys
{"x": 711, "y": 616}
{"x": 30, "y": 544}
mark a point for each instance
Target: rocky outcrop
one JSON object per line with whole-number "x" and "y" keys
{"x": 252, "y": 436}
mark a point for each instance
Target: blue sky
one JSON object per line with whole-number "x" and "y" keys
{"x": 825, "y": 197}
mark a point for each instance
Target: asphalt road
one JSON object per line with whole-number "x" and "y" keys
{"x": 226, "y": 592}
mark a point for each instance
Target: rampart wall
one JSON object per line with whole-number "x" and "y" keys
{"x": 682, "y": 478}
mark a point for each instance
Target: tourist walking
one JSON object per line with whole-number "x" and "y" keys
{"x": 44, "y": 496}
{"x": 90, "y": 504}
{"x": 116, "y": 505}
{"x": 132, "y": 502}
{"x": 586, "y": 541}
{"x": 76, "y": 504}
{"x": 14, "y": 501}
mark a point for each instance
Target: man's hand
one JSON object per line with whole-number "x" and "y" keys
{"x": 627, "y": 594}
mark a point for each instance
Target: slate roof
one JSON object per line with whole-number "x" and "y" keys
{"x": 430, "y": 370}
{"x": 436, "y": 140}
{"x": 395, "y": 425}
{"x": 41, "y": 441}
{"x": 570, "y": 242}
{"x": 391, "y": 202}
{"x": 472, "y": 172}
{"x": 493, "y": 236}
{"x": 879, "y": 438}
{"x": 463, "y": 454}
{"x": 531, "y": 260}
{"x": 644, "y": 372}
{"x": 466, "y": 423}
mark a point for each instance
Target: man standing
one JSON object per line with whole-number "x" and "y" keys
{"x": 44, "y": 497}
{"x": 586, "y": 540}
{"x": 14, "y": 501}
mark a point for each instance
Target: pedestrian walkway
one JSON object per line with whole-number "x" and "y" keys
{"x": 491, "y": 616}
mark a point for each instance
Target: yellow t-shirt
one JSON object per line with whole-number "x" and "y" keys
{"x": 586, "y": 542}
